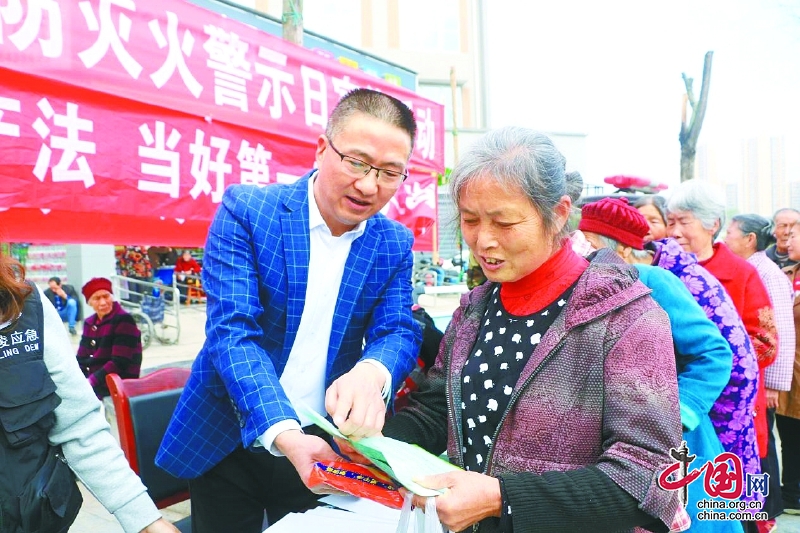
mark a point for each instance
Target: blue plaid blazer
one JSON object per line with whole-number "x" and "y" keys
{"x": 255, "y": 276}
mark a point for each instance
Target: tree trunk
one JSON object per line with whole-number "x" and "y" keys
{"x": 293, "y": 21}
{"x": 691, "y": 131}
{"x": 687, "y": 163}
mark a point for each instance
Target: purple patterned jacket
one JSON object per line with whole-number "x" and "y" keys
{"x": 600, "y": 389}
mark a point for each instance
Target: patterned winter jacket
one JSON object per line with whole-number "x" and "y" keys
{"x": 600, "y": 390}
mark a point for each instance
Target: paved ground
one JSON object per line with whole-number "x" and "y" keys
{"x": 93, "y": 518}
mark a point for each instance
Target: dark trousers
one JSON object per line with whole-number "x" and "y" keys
{"x": 773, "y": 503}
{"x": 769, "y": 465}
{"x": 234, "y": 495}
{"x": 789, "y": 431}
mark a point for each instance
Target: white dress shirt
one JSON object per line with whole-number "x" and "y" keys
{"x": 303, "y": 378}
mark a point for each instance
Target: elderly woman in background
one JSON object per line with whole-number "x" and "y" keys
{"x": 111, "y": 342}
{"x": 555, "y": 379}
{"x": 695, "y": 218}
{"x": 748, "y": 236}
{"x": 654, "y": 210}
{"x": 788, "y": 412}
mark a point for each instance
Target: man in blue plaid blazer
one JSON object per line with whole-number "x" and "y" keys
{"x": 309, "y": 301}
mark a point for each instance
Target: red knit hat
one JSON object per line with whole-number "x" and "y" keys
{"x": 94, "y": 285}
{"x": 616, "y": 219}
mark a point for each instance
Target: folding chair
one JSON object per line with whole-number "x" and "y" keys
{"x": 144, "y": 407}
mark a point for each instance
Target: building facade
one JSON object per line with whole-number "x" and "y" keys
{"x": 758, "y": 174}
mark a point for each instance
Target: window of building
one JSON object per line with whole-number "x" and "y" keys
{"x": 340, "y": 20}
{"x": 430, "y": 26}
{"x": 443, "y": 94}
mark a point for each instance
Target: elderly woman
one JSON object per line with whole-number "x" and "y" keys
{"x": 788, "y": 412}
{"x": 111, "y": 342}
{"x": 654, "y": 210}
{"x": 555, "y": 379}
{"x": 748, "y": 236}
{"x": 694, "y": 219}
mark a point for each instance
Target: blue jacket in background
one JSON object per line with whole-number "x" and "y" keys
{"x": 704, "y": 361}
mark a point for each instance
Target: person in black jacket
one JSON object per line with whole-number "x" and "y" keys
{"x": 65, "y": 299}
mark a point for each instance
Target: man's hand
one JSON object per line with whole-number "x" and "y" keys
{"x": 303, "y": 451}
{"x": 772, "y": 399}
{"x": 355, "y": 402}
{"x": 60, "y": 293}
{"x": 160, "y": 526}
{"x": 470, "y": 497}
{"x": 351, "y": 453}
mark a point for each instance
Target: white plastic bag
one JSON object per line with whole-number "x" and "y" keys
{"x": 417, "y": 521}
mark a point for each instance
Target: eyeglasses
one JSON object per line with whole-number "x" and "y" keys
{"x": 360, "y": 169}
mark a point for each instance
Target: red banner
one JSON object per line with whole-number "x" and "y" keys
{"x": 164, "y": 104}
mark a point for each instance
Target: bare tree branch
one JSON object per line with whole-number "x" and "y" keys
{"x": 688, "y": 82}
{"x": 690, "y": 129}
{"x": 699, "y": 112}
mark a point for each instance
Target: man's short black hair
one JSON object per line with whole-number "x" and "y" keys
{"x": 375, "y": 104}
{"x": 56, "y": 279}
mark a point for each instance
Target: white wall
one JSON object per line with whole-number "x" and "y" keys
{"x": 87, "y": 261}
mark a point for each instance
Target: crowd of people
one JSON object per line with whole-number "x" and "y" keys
{"x": 571, "y": 376}
{"x": 563, "y": 374}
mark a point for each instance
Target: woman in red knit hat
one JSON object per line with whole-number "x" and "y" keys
{"x": 111, "y": 342}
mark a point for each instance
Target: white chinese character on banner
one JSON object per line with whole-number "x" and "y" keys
{"x": 10, "y": 14}
{"x": 71, "y": 145}
{"x": 30, "y": 29}
{"x": 9, "y": 104}
{"x": 177, "y": 49}
{"x": 3, "y": 341}
{"x": 273, "y": 82}
{"x": 342, "y": 86}
{"x": 202, "y": 165}
{"x": 231, "y": 70}
{"x": 31, "y": 335}
{"x": 311, "y": 96}
{"x": 254, "y": 163}
{"x": 16, "y": 338}
{"x": 109, "y": 35}
{"x": 426, "y": 133}
{"x": 164, "y": 151}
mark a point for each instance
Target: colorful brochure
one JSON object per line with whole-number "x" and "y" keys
{"x": 401, "y": 461}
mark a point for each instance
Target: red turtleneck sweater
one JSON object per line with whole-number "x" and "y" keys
{"x": 541, "y": 287}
